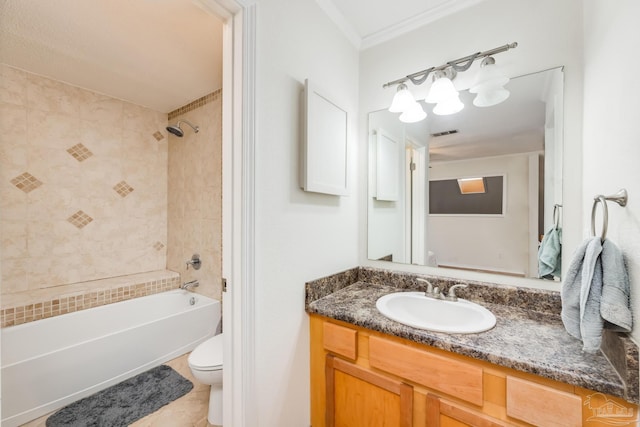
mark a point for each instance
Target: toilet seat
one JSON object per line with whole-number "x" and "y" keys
{"x": 208, "y": 355}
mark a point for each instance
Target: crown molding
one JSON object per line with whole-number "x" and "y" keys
{"x": 394, "y": 30}
{"x": 329, "y": 7}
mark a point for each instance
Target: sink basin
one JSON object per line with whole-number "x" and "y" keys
{"x": 416, "y": 310}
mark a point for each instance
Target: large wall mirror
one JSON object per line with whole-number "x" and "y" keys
{"x": 418, "y": 211}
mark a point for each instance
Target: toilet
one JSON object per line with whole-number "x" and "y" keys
{"x": 206, "y": 366}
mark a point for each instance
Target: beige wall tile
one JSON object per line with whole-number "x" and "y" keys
{"x": 52, "y": 130}
{"x": 13, "y": 123}
{"x": 12, "y": 242}
{"x": 97, "y": 108}
{"x": 13, "y": 85}
{"x": 53, "y": 96}
{"x": 117, "y": 146}
{"x": 194, "y": 199}
{"x": 13, "y": 202}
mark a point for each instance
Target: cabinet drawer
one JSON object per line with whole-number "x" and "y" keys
{"x": 340, "y": 340}
{"x": 541, "y": 405}
{"x": 453, "y": 377}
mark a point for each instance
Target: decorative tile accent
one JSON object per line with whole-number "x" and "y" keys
{"x": 26, "y": 182}
{"x": 80, "y": 219}
{"x": 195, "y": 104}
{"x": 158, "y": 136}
{"x": 12, "y": 316}
{"x": 158, "y": 246}
{"x": 80, "y": 152}
{"x": 123, "y": 189}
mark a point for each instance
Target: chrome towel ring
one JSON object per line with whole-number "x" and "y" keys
{"x": 556, "y": 216}
{"x": 620, "y": 198}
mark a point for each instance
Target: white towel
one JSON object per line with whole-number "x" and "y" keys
{"x": 596, "y": 289}
{"x": 550, "y": 254}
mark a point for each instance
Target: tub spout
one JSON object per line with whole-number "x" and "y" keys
{"x": 188, "y": 285}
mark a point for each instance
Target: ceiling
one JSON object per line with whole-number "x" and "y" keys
{"x": 370, "y": 22}
{"x": 161, "y": 54}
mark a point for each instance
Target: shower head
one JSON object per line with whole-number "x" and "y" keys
{"x": 177, "y": 130}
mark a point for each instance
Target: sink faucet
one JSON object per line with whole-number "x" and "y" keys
{"x": 452, "y": 292}
{"x": 431, "y": 292}
{"x": 188, "y": 285}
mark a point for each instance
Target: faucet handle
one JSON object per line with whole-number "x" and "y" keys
{"x": 429, "y": 285}
{"x": 452, "y": 291}
{"x": 194, "y": 261}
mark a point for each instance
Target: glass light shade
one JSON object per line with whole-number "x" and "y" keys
{"x": 414, "y": 114}
{"x": 491, "y": 97}
{"x": 489, "y": 75}
{"x": 442, "y": 90}
{"x": 402, "y": 100}
{"x": 447, "y": 107}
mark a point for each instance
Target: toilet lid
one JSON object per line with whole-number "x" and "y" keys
{"x": 208, "y": 355}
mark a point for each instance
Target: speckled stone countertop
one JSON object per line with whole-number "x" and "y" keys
{"x": 529, "y": 335}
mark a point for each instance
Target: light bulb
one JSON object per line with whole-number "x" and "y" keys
{"x": 414, "y": 114}
{"x": 450, "y": 106}
{"x": 442, "y": 89}
{"x": 402, "y": 100}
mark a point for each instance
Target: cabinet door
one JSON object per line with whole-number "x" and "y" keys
{"x": 442, "y": 413}
{"x": 357, "y": 397}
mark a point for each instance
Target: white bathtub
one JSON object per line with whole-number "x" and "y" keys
{"x": 52, "y": 362}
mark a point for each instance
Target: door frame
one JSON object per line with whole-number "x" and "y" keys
{"x": 238, "y": 207}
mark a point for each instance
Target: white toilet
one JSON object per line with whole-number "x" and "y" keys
{"x": 206, "y": 365}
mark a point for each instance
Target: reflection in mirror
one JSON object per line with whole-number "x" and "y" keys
{"x": 518, "y": 141}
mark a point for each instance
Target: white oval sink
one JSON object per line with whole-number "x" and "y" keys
{"x": 416, "y": 310}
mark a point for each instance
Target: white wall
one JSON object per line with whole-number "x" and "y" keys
{"x": 549, "y": 34}
{"x": 386, "y": 219}
{"x": 611, "y": 137}
{"x": 489, "y": 243}
{"x": 299, "y": 236}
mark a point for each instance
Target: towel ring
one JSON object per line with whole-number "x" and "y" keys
{"x": 620, "y": 198}
{"x": 556, "y": 216}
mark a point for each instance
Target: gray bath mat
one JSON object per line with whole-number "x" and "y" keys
{"x": 125, "y": 402}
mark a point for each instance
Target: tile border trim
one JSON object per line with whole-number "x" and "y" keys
{"x": 59, "y": 305}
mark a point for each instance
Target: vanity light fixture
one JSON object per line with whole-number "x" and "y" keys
{"x": 402, "y": 100}
{"x": 488, "y": 85}
{"x": 471, "y": 185}
{"x": 413, "y": 114}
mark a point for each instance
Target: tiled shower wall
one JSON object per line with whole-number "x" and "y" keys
{"x": 83, "y": 184}
{"x": 195, "y": 194}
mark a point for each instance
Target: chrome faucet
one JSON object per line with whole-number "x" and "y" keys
{"x": 452, "y": 292}
{"x": 431, "y": 292}
{"x": 188, "y": 285}
{"x": 195, "y": 262}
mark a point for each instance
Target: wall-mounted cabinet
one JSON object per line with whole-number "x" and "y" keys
{"x": 324, "y": 146}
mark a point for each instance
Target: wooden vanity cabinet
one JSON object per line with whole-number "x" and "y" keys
{"x": 364, "y": 378}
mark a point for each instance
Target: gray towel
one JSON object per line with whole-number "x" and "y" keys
{"x": 615, "y": 305}
{"x": 550, "y": 253}
{"x": 596, "y": 274}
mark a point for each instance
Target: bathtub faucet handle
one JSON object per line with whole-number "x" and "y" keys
{"x": 195, "y": 262}
{"x": 191, "y": 284}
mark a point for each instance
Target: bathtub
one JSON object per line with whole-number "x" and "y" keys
{"x": 50, "y": 363}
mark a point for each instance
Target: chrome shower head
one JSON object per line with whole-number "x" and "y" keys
{"x": 177, "y": 130}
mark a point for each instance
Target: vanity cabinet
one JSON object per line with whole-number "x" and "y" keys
{"x": 363, "y": 378}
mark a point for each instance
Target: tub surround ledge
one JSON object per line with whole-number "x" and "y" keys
{"x": 529, "y": 335}
{"x": 29, "y": 306}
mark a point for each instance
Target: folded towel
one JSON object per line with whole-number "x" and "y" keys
{"x": 596, "y": 272}
{"x": 550, "y": 254}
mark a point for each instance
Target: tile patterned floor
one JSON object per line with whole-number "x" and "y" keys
{"x": 188, "y": 411}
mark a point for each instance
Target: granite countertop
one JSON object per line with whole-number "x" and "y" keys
{"x": 524, "y": 339}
